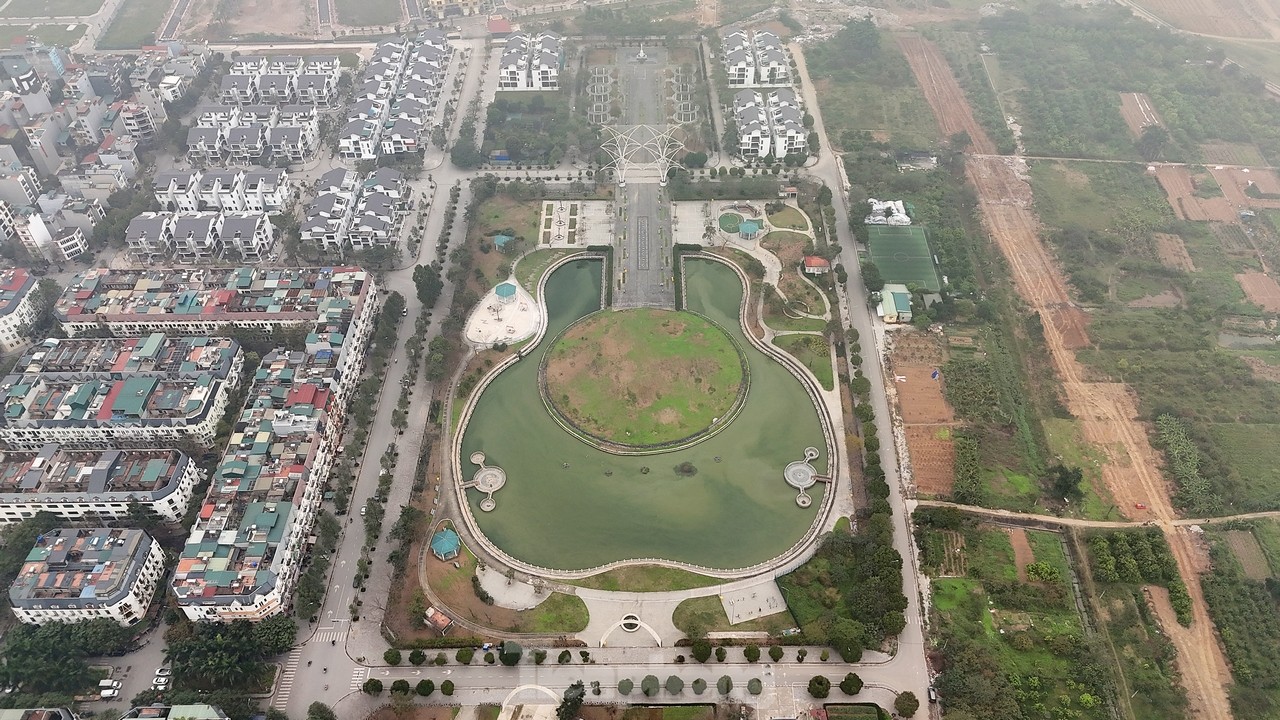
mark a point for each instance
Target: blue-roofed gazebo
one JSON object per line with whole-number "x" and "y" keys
{"x": 446, "y": 544}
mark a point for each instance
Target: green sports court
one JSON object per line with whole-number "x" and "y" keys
{"x": 903, "y": 256}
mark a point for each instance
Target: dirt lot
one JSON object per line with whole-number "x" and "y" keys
{"x": 1173, "y": 252}
{"x": 1261, "y": 290}
{"x": 1137, "y": 112}
{"x": 416, "y": 712}
{"x": 1249, "y": 553}
{"x": 1108, "y": 412}
{"x": 1229, "y": 18}
{"x": 927, "y": 418}
{"x": 1235, "y": 180}
{"x": 943, "y": 92}
{"x": 1231, "y": 153}
{"x": 247, "y": 17}
{"x": 1023, "y": 555}
{"x": 1175, "y": 180}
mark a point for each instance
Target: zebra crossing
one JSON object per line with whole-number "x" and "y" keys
{"x": 358, "y": 676}
{"x": 330, "y": 635}
{"x": 286, "y": 679}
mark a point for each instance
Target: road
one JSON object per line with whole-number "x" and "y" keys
{"x": 335, "y": 642}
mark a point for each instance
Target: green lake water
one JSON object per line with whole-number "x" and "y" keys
{"x": 733, "y": 513}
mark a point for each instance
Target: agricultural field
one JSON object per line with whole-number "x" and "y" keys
{"x": 1074, "y": 64}
{"x": 1011, "y": 621}
{"x": 1245, "y": 609}
{"x": 866, "y": 87}
{"x": 1170, "y": 318}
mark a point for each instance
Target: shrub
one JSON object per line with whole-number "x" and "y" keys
{"x": 565, "y": 657}
{"x": 819, "y": 686}
{"x": 851, "y": 684}
{"x": 721, "y": 654}
{"x": 701, "y": 650}
{"x": 754, "y": 686}
{"x": 446, "y": 687}
{"x": 674, "y": 684}
{"x": 489, "y": 659}
{"x": 539, "y": 656}
{"x": 699, "y": 686}
{"x": 724, "y": 685}
{"x": 801, "y": 654}
{"x": 625, "y": 686}
{"x": 441, "y": 659}
{"x": 372, "y": 686}
{"x": 392, "y": 656}
{"x": 464, "y": 656}
{"x": 417, "y": 657}
{"x": 649, "y": 685}
{"x": 775, "y": 652}
{"x": 906, "y": 704}
{"x": 425, "y": 688}
{"x": 400, "y": 687}
{"x": 752, "y": 653}
{"x": 825, "y": 656}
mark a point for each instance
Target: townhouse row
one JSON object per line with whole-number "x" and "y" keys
{"x": 392, "y": 109}
{"x": 350, "y": 213}
{"x": 755, "y": 58}
{"x": 531, "y": 62}
{"x": 281, "y": 79}
{"x": 770, "y": 125}
{"x": 254, "y": 134}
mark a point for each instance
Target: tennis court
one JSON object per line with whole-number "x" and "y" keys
{"x": 903, "y": 256}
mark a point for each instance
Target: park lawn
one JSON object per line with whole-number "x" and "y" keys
{"x": 814, "y": 352}
{"x": 58, "y": 35}
{"x": 643, "y": 376}
{"x": 52, "y": 8}
{"x": 559, "y": 613}
{"x": 135, "y": 25}
{"x": 365, "y": 13}
{"x": 645, "y": 578}
{"x": 788, "y": 218}
{"x": 707, "y": 614}
{"x": 530, "y": 268}
{"x": 502, "y": 213}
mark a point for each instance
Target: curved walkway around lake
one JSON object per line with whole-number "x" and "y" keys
{"x": 792, "y": 558}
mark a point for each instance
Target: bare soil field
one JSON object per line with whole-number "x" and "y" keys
{"x": 1226, "y": 18}
{"x": 943, "y": 92}
{"x": 928, "y": 419}
{"x": 1261, "y": 290}
{"x": 248, "y": 17}
{"x": 1235, "y": 180}
{"x": 1023, "y": 555}
{"x": 933, "y": 458}
{"x": 1176, "y": 182}
{"x": 1137, "y": 112}
{"x": 1262, "y": 369}
{"x": 1173, "y": 252}
{"x": 1249, "y": 553}
{"x": 1226, "y": 153}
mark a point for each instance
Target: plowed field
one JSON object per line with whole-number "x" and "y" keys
{"x": 1173, "y": 252}
{"x": 1261, "y": 290}
{"x": 1137, "y": 112}
{"x": 1176, "y": 182}
{"x": 1227, "y": 18}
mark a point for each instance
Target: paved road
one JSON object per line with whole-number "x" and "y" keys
{"x": 909, "y": 663}
{"x": 335, "y": 642}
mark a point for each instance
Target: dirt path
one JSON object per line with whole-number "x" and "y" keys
{"x": 709, "y": 13}
{"x": 1107, "y": 411}
{"x": 1023, "y": 555}
{"x": 943, "y": 92}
